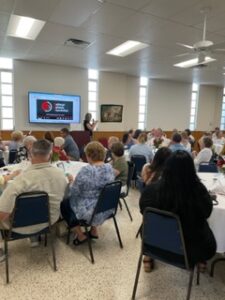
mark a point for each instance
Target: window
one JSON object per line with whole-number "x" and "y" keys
{"x": 194, "y": 104}
{"x": 222, "y": 121}
{"x": 93, "y": 93}
{"x": 6, "y": 83}
{"x": 143, "y": 94}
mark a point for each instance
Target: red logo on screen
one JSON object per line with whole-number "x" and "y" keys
{"x": 46, "y": 106}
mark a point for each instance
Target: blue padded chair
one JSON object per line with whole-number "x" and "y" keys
{"x": 208, "y": 167}
{"x": 30, "y": 209}
{"x": 162, "y": 239}
{"x": 124, "y": 195}
{"x": 139, "y": 161}
{"x": 12, "y": 156}
{"x": 108, "y": 200}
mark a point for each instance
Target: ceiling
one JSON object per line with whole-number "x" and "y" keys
{"x": 106, "y": 24}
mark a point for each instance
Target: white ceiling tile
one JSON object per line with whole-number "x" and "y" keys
{"x": 4, "y": 20}
{"x": 39, "y": 9}
{"x": 7, "y": 5}
{"x": 74, "y": 13}
{"x": 107, "y": 18}
{"x": 133, "y": 4}
{"x": 165, "y": 8}
{"x": 214, "y": 24}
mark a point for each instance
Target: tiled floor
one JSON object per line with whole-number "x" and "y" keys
{"x": 110, "y": 278}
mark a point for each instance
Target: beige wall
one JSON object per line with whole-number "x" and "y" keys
{"x": 168, "y": 101}
{"x": 168, "y": 105}
{"x": 209, "y": 107}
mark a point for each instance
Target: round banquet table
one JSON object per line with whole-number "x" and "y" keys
{"x": 217, "y": 218}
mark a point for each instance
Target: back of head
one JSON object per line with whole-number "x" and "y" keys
{"x": 65, "y": 131}
{"x": 125, "y": 138}
{"x": 207, "y": 141}
{"x": 142, "y": 139}
{"x": 49, "y": 136}
{"x": 137, "y": 133}
{"x": 59, "y": 141}
{"x": 160, "y": 158}
{"x": 95, "y": 151}
{"x": 17, "y": 135}
{"x": 117, "y": 149}
{"x": 29, "y": 140}
{"x": 176, "y": 138}
{"x": 41, "y": 148}
{"x": 179, "y": 180}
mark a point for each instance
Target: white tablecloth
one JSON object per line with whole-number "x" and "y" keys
{"x": 217, "y": 218}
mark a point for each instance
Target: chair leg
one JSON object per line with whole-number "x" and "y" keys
{"x": 138, "y": 232}
{"x": 118, "y": 233}
{"x": 68, "y": 236}
{"x": 124, "y": 200}
{"x": 214, "y": 263}
{"x": 120, "y": 205}
{"x": 198, "y": 276}
{"x": 89, "y": 245}
{"x": 190, "y": 284}
{"x": 53, "y": 251}
{"x": 46, "y": 240}
{"x": 137, "y": 277}
{"x": 6, "y": 259}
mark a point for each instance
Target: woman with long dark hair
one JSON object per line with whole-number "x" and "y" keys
{"x": 180, "y": 191}
{"x": 89, "y": 125}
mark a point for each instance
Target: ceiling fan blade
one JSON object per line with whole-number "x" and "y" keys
{"x": 185, "y": 45}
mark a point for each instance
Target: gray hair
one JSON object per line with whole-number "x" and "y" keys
{"x": 29, "y": 139}
{"x": 41, "y": 148}
{"x": 59, "y": 141}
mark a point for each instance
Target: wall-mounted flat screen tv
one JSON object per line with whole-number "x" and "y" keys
{"x": 53, "y": 108}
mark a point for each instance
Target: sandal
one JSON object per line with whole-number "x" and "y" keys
{"x": 77, "y": 242}
{"x": 148, "y": 264}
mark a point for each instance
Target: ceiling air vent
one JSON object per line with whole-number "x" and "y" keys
{"x": 77, "y": 43}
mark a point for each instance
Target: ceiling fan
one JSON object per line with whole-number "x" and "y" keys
{"x": 202, "y": 50}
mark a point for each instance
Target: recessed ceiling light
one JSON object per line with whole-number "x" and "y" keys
{"x": 24, "y": 27}
{"x": 192, "y": 62}
{"x": 127, "y": 48}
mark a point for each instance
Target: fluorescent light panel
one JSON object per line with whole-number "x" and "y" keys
{"x": 193, "y": 62}
{"x": 127, "y": 48}
{"x": 24, "y": 27}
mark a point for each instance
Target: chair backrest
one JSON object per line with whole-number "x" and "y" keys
{"x": 108, "y": 198}
{"x": 162, "y": 237}
{"x": 12, "y": 156}
{"x": 30, "y": 209}
{"x": 139, "y": 161}
{"x": 208, "y": 167}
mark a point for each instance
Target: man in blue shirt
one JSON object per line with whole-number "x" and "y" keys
{"x": 70, "y": 146}
{"x": 176, "y": 143}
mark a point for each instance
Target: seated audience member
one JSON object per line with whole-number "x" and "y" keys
{"x": 200, "y": 141}
{"x": 185, "y": 141}
{"x": 2, "y": 145}
{"x": 180, "y": 191}
{"x": 190, "y": 137}
{"x": 127, "y": 141}
{"x": 158, "y": 139}
{"x": 16, "y": 140}
{"x": 70, "y": 146}
{"x": 24, "y": 151}
{"x": 176, "y": 143}
{"x": 48, "y": 135}
{"x": 119, "y": 164}
{"x": 215, "y": 133}
{"x": 57, "y": 152}
{"x": 152, "y": 172}
{"x": 218, "y": 138}
{"x": 111, "y": 141}
{"x": 205, "y": 154}
{"x": 136, "y": 134}
{"x": 40, "y": 176}
{"x": 85, "y": 191}
{"x": 141, "y": 148}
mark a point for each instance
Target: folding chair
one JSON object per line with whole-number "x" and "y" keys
{"x": 12, "y": 156}
{"x": 108, "y": 200}
{"x": 208, "y": 167}
{"x": 30, "y": 209}
{"x": 139, "y": 161}
{"x": 129, "y": 178}
{"x": 162, "y": 239}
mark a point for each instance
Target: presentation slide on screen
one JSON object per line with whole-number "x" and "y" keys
{"x": 54, "y": 108}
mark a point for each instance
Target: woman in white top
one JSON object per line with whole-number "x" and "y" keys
{"x": 185, "y": 141}
{"x": 205, "y": 154}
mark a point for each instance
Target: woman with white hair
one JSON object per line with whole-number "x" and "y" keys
{"x": 57, "y": 152}
{"x": 24, "y": 151}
